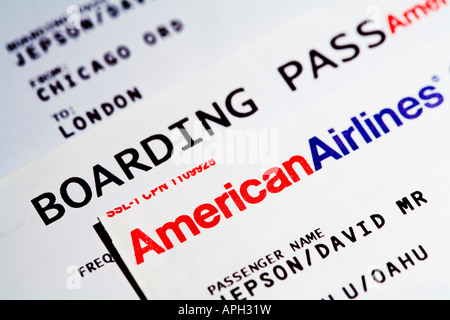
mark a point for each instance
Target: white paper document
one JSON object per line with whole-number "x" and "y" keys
{"x": 308, "y": 161}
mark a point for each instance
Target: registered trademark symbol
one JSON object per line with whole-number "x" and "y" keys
{"x": 435, "y": 78}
